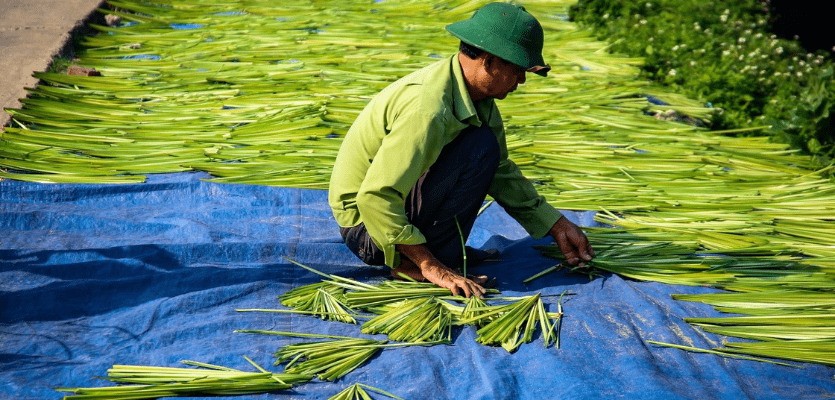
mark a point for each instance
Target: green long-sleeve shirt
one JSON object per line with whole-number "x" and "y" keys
{"x": 395, "y": 140}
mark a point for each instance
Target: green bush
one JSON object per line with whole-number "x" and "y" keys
{"x": 721, "y": 53}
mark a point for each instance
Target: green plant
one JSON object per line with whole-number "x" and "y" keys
{"x": 328, "y": 359}
{"x": 357, "y": 392}
{"x": 417, "y": 320}
{"x": 727, "y": 59}
{"x": 154, "y": 382}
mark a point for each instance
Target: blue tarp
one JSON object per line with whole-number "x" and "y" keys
{"x": 151, "y": 274}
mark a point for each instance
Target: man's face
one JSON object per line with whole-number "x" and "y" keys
{"x": 504, "y": 77}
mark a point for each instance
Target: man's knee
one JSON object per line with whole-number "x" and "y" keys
{"x": 359, "y": 242}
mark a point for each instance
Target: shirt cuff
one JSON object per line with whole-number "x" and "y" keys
{"x": 408, "y": 235}
{"x": 543, "y": 219}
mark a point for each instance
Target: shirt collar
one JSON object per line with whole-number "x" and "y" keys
{"x": 465, "y": 110}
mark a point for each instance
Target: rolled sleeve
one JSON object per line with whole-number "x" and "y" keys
{"x": 408, "y": 150}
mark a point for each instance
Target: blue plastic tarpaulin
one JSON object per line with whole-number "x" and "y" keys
{"x": 151, "y": 274}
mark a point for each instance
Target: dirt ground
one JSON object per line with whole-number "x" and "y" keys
{"x": 32, "y": 32}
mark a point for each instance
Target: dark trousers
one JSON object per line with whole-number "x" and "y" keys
{"x": 453, "y": 188}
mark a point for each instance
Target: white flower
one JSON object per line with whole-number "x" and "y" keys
{"x": 758, "y": 35}
{"x": 802, "y": 63}
{"x": 675, "y": 48}
{"x": 649, "y": 4}
{"x": 741, "y": 57}
{"x": 724, "y": 18}
{"x": 725, "y": 52}
{"x": 779, "y": 50}
{"x": 799, "y": 74}
{"x": 741, "y": 40}
{"x": 726, "y": 12}
{"x": 673, "y": 72}
{"x": 606, "y": 16}
{"x": 692, "y": 63}
{"x": 642, "y": 22}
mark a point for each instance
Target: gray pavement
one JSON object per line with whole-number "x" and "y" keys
{"x": 32, "y": 32}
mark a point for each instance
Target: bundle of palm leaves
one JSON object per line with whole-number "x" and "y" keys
{"x": 146, "y": 382}
{"x": 420, "y": 312}
{"x": 357, "y": 392}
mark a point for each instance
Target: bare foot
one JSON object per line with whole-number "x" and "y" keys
{"x": 411, "y": 270}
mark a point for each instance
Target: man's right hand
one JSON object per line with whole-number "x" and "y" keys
{"x": 418, "y": 259}
{"x": 444, "y": 277}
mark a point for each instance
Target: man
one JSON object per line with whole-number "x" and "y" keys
{"x": 420, "y": 159}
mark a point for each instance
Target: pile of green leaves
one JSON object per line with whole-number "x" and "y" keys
{"x": 357, "y": 392}
{"x": 781, "y": 301}
{"x": 418, "y": 313}
{"x": 721, "y": 52}
{"x": 148, "y": 382}
{"x": 262, "y": 92}
{"x": 145, "y": 382}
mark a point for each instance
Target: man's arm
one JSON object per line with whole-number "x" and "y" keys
{"x": 436, "y": 272}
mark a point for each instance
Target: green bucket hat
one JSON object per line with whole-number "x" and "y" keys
{"x": 506, "y": 31}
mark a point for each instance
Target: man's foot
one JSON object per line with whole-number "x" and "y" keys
{"x": 477, "y": 256}
{"x": 491, "y": 283}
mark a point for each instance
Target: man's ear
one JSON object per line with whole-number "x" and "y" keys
{"x": 488, "y": 59}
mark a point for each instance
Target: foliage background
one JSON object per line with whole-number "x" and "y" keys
{"x": 724, "y": 54}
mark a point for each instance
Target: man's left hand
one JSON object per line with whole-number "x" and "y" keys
{"x": 572, "y": 241}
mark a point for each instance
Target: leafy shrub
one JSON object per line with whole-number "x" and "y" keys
{"x": 721, "y": 53}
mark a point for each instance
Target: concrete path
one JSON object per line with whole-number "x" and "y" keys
{"x": 32, "y": 32}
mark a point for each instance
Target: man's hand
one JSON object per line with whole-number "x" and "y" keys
{"x": 419, "y": 262}
{"x": 444, "y": 277}
{"x": 572, "y": 241}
